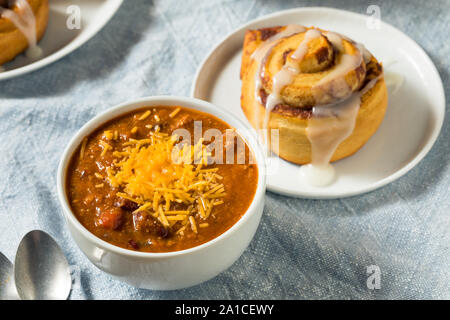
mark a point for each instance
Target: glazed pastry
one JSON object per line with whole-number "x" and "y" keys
{"x": 324, "y": 93}
{"x": 22, "y": 25}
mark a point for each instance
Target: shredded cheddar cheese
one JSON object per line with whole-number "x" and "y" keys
{"x": 108, "y": 135}
{"x": 83, "y": 148}
{"x": 175, "y": 112}
{"x": 145, "y": 115}
{"x": 169, "y": 180}
{"x": 98, "y": 175}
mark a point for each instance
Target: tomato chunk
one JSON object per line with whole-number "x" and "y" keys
{"x": 111, "y": 219}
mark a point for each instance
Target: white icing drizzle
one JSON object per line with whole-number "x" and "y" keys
{"x": 370, "y": 85}
{"x": 336, "y": 40}
{"x": 285, "y": 76}
{"x": 394, "y": 81}
{"x": 329, "y": 126}
{"x": 326, "y": 137}
{"x": 26, "y": 23}
{"x": 367, "y": 55}
{"x": 259, "y": 55}
{"x": 335, "y": 80}
{"x": 302, "y": 49}
{"x": 279, "y": 81}
{"x": 317, "y": 176}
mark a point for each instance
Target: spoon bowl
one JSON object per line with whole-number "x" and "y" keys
{"x": 41, "y": 270}
{"x": 7, "y": 287}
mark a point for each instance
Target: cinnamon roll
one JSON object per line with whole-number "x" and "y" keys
{"x": 324, "y": 92}
{"x": 22, "y": 25}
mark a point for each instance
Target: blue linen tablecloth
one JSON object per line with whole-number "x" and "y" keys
{"x": 303, "y": 249}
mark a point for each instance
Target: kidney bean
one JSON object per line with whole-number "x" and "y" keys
{"x": 126, "y": 204}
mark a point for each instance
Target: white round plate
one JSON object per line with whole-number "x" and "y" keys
{"x": 413, "y": 119}
{"x": 59, "y": 40}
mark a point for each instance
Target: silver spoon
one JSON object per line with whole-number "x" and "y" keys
{"x": 41, "y": 270}
{"x": 7, "y": 287}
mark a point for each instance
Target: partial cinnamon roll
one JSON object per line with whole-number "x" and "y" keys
{"x": 22, "y": 25}
{"x": 324, "y": 92}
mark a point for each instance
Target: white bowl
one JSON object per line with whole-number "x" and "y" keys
{"x": 171, "y": 270}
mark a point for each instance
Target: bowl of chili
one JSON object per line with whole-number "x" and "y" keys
{"x": 163, "y": 192}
